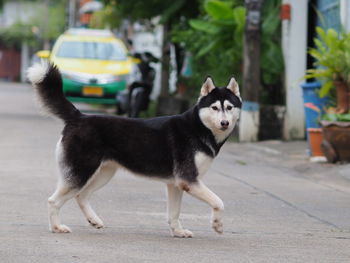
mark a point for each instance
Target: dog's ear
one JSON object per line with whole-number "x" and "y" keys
{"x": 207, "y": 87}
{"x": 233, "y": 86}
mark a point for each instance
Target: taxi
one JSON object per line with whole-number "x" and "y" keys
{"x": 94, "y": 65}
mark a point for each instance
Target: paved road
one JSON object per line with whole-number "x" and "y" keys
{"x": 279, "y": 207}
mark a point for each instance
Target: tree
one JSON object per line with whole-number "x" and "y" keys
{"x": 249, "y": 125}
{"x": 252, "y": 47}
{"x": 45, "y": 26}
{"x": 170, "y": 13}
{"x": 215, "y": 40}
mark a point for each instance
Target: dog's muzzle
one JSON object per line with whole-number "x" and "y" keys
{"x": 224, "y": 125}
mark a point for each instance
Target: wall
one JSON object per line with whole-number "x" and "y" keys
{"x": 294, "y": 43}
{"x": 15, "y": 11}
{"x": 9, "y": 64}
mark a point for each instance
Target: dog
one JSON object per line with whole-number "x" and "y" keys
{"x": 175, "y": 149}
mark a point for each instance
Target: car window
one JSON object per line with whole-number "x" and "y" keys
{"x": 91, "y": 50}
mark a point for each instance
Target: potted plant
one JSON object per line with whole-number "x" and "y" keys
{"x": 332, "y": 68}
{"x": 314, "y": 132}
{"x": 332, "y": 65}
{"x": 336, "y": 136}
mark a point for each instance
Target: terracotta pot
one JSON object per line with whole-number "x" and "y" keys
{"x": 336, "y": 140}
{"x": 342, "y": 96}
{"x": 315, "y": 140}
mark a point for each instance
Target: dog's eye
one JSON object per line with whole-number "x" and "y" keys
{"x": 214, "y": 108}
{"x": 229, "y": 108}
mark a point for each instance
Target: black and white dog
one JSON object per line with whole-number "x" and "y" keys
{"x": 175, "y": 149}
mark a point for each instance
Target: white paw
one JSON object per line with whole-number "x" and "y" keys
{"x": 60, "y": 229}
{"x": 96, "y": 222}
{"x": 182, "y": 233}
{"x": 217, "y": 226}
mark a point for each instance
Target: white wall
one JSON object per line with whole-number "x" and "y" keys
{"x": 345, "y": 14}
{"x": 15, "y": 11}
{"x": 294, "y": 43}
{"x": 151, "y": 42}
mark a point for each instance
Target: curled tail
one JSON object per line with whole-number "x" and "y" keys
{"x": 47, "y": 81}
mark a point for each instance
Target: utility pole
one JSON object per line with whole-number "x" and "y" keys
{"x": 164, "y": 92}
{"x": 45, "y": 27}
{"x": 249, "y": 124}
{"x": 71, "y": 13}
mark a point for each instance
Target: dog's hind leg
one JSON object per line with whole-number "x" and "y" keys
{"x": 99, "y": 179}
{"x": 63, "y": 193}
{"x": 202, "y": 192}
{"x": 75, "y": 173}
{"x": 174, "y": 207}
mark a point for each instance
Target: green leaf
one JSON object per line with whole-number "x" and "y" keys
{"x": 218, "y": 9}
{"x": 329, "y": 117}
{"x": 326, "y": 87}
{"x": 205, "y": 26}
{"x": 206, "y": 49}
{"x": 171, "y": 10}
{"x": 343, "y": 117}
{"x": 271, "y": 22}
{"x": 319, "y": 44}
{"x": 320, "y": 31}
{"x": 316, "y": 54}
{"x": 239, "y": 14}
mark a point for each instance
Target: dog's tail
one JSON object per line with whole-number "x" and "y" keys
{"x": 47, "y": 80}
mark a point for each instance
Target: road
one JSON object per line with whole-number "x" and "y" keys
{"x": 278, "y": 206}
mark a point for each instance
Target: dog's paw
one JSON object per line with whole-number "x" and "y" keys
{"x": 96, "y": 223}
{"x": 184, "y": 233}
{"x": 60, "y": 229}
{"x": 218, "y": 226}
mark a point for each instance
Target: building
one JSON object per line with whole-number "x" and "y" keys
{"x": 298, "y": 31}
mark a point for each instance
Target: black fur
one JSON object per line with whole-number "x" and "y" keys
{"x": 51, "y": 93}
{"x": 157, "y": 147}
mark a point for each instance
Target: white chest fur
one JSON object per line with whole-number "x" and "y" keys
{"x": 203, "y": 162}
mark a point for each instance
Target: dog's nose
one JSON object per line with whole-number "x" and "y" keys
{"x": 224, "y": 124}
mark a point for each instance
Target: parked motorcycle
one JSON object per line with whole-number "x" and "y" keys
{"x": 140, "y": 85}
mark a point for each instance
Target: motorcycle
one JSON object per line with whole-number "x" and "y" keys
{"x": 140, "y": 84}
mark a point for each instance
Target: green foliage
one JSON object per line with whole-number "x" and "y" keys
{"x": 332, "y": 59}
{"x": 214, "y": 36}
{"x": 336, "y": 117}
{"x": 168, "y": 10}
{"x": 14, "y": 35}
{"x": 109, "y": 17}
{"x": 215, "y": 39}
{"x": 51, "y": 26}
{"x": 272, "y": 64}
{"x": 46, "y": 24}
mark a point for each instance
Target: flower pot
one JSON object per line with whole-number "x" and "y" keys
{"x": 336, "y": 140}
{"x": 315, "y": 140}
{"x": 313, "y": 104}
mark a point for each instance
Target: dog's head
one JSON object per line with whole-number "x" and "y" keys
{"x": 219, "y": 108}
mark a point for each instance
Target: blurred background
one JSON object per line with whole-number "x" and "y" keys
{"x": 173, "y": 46}
{"x": 286, "y": 189}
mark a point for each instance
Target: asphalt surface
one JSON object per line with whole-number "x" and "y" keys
{"x": 278, "y": 206}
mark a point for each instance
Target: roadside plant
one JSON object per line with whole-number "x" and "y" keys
{"x": 332, "y": 59}
{"x": 215, "y": 39}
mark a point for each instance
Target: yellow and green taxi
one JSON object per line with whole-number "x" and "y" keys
{"x": 94, "y": 65}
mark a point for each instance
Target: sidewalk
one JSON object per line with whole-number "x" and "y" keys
{"x": 293, "y": 156}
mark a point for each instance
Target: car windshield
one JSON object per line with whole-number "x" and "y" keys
{"x": 91, "y": 50}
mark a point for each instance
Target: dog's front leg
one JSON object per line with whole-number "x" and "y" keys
{"x": 174, "y": 207}
{"x": 202, "y": 192}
